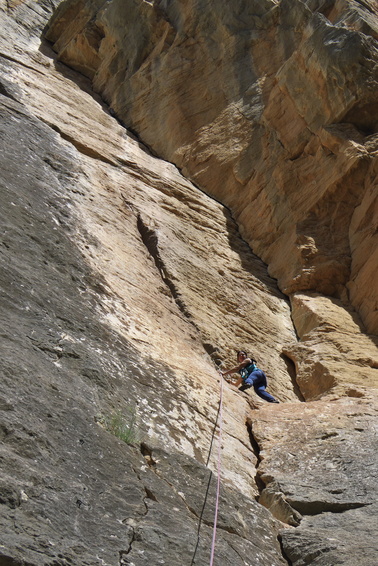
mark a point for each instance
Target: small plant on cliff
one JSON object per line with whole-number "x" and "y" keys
{"x": 122, "y": 426}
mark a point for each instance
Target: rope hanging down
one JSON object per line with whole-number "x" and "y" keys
{"x": 220, "y": 416}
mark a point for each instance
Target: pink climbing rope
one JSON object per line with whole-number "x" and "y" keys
{"x": 219, "y": 471}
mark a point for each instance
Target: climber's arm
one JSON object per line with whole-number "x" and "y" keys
{"x": 237, "y": 368}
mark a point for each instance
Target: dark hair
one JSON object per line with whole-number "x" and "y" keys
{"x": 246, "y": 353}
{"x": 241, "y": 352}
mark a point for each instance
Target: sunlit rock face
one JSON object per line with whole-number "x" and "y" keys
{"x": 270, "y": 106}
{"x": 125, "y": 285}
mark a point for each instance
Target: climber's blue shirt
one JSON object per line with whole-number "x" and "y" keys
{"x": 247, "y": 370}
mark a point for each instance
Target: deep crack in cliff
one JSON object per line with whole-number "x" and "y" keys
{"x": 150, "y": 239}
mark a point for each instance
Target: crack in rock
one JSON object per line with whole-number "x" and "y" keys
{"x": 150, "y": 240}
{"x": 271, "y": 496}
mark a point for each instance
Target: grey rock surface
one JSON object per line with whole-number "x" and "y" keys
{"x": 347, "y": 538}
{"x": 320, "y": 468}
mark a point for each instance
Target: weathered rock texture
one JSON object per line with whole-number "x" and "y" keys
{"x": 329, "y": 440}
{"x": 270, "y": 107}
{"x": 123, "y": 285}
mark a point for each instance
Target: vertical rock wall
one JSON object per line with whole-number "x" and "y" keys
{"x": 124, "y": 285}
{"x": 269, "y": 106}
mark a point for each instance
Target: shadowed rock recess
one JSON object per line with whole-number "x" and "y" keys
{"x": 180, "y": 180}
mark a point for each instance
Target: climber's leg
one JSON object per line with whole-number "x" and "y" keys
{"x": 259, "y": 385}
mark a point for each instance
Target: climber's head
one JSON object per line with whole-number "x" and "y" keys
{"x": 241, "y": 355}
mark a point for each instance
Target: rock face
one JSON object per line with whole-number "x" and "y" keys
{"x": 270, "y": 107}
{"x": 124, "y": 285}
{"x": 328, "y": 439}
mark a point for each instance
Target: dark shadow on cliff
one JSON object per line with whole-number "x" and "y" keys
{"x": 250, "y": 261}
{"x": 290, "y": 366}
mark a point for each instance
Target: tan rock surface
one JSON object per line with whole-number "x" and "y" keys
{"x": 334, "y": 354}
{"x": 286, "y": 136}
{"x": 179, "y": 281}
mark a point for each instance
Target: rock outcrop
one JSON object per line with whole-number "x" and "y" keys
{"x": 313, "y": 477}
{"x": 125, "y": 284}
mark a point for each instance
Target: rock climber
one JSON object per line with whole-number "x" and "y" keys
{"x": 250, "y": 376}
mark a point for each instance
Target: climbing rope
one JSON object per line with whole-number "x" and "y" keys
{"x": 220, "y": 419}
{"x": 220, "y": 416}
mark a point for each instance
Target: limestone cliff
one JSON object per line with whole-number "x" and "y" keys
{"x": 126, "y": 281}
